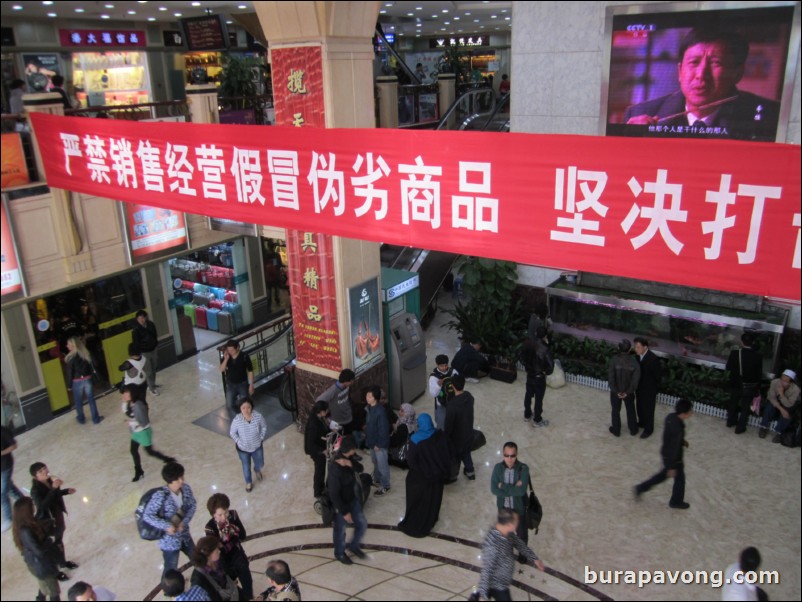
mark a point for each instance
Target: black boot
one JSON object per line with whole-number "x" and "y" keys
{"x": 40, "y": 595}
{"x": 138, "y": 474}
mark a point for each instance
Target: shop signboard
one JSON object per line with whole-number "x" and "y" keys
{"x": 14, "y": 168}
{"x": 364, "y": 308}
{"x": 219, "y": 224}
{"x": 12, "y": 283}
{"x": 748, "y": 56}
{"x": 205, "y": 33}
{"x": 39, "y": 68}
{"x": 102, "y": 38}
{"x": 716, "y": 214}
{"x": 154, "y": 232}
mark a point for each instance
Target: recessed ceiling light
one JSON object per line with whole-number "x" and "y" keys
{"x": 16, "y": 7}
{"x": 417, "y": 36}
{"x": 48, "y": 3}
{"x": 382, "y": 12}
{"x": 52, "y": 15}
{"x": 445, "y": 10}
{"x": 456, "y": 18}
{"x": 410, "y": 14}
{"x": 196, "y": 4}
{"x": 447, "y": 23}
{"x": 176, "y": 14}
{"x": 467, "y": 14}
{"x": 476, "y": 20}
{"x": 442, "y": 29}
{"x": 389, "y": 4}
{"x": 494, "y": 16}
{"x": 151, "y": 18}
{"x": 131, "y": 12}
{"x": 418, "y": 8}
{"x": 105, "y": 17}
{"x": 109, "y": 6}
{"x": 434, "y": 16}
{"x": 163, "y": 8}
{"x": 507, "y": 18}
{"x": 229, "y": 22}
{"x": 241, "y": 6}
{"x": 79, "y": 10}
{"x": 503, "y": 10}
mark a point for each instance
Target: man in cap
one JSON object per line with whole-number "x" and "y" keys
{"x": 782, "y": 397}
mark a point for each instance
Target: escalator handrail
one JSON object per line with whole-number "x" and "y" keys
{"x": 441, "y": 125}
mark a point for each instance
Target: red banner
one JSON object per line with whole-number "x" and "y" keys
{"x": 298, "y": 86}
{"x": 706, "y": 213}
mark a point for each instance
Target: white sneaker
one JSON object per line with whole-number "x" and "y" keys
{"x": 154, "y": 392}
{"x": 470, "y": 379}
{"x": 542, "y": 423}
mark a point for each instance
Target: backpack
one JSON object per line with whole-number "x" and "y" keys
{"x": 447, "y": 390}
{"x": 145, "y": 529}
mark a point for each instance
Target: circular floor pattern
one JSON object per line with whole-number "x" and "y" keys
{"x": 438, "y": 567}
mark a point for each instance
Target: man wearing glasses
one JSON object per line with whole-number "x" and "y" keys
{"x": 509, "y": 483}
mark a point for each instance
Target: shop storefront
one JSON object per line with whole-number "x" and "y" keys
{"x": 111, "y": 78}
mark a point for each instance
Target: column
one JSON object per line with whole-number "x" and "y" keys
{"x": 388, "y": 101}
{"x": 202, "y": 100}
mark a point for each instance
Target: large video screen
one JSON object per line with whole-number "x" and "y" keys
{"x": 701, "y": 73}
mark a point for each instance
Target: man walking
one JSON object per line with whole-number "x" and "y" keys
{"x": 146, "y": 340}
{"x": 623, "y": 375}
{"x": 171, "y": 509}
{"x": 345, "y": 488}
{"x": 499, "y": 551}
{"x": 315, "y": 444}
{"x": 745, "y": 366}
{"x": 459, "y": 428}
{"x": 377, "y": 440}
{"x": 537, "y": 359}
{"x": 509, "y": 483}
{"x": 673, "y": 445}
{"x": 339, "y": 400}
{"x": 237, "y": 367}
{"x": 441, "y": 388}
{"x": 651, "y": 371}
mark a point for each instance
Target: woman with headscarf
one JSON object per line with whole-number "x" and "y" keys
{"x": 429, "y": 468}
{"x": 399, "y": 438}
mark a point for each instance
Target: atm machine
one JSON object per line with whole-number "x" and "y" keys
{"x": 403, "y": 338}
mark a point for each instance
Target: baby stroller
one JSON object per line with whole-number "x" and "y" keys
{"x": 323, "y": 505}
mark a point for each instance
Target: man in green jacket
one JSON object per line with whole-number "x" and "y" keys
{"x": 509, "y": 483}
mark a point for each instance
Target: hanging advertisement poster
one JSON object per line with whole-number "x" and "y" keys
{"x": 154, "y": 232}
{"x": 39, "y": 69}
{"x": 12, "y": 285}
{"x": 364, "y": 305}
{"x": 14, "y": 169}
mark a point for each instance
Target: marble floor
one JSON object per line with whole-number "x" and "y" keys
{"x": 742, "y": 490}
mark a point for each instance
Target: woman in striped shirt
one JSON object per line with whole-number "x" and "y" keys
{"x": 248, "y": 430}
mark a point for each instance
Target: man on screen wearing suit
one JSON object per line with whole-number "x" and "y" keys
{"x": 710, "y": 67}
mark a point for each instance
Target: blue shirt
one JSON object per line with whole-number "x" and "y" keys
{"x": 196, "y": 592}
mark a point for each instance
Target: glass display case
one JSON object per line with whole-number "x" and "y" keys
{"x": 695, "y": 333}
{"x": 111, "y": 78}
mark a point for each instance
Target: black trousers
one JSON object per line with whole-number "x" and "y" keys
{"x": 535, "y": 387}
{"x": 499, "y": 594}
{"x": 632, "y": 421}
{"x": 677, "y": 493}
{"x": 320, "y": 474}
{"x": 645, "y": 407}
{"x": 148, "y": 450}
{"x": 741, "y": 406}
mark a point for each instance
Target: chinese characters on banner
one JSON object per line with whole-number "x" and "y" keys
{"x": 715, "y": 214}
{"x": 314, "y": 299}
{"x": 298, "y": 98}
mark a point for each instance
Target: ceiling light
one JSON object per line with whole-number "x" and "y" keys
{"x": 176, "y": 14}
{"x": 434, "y": 16}
{"x": 151, "y": 18}
{"x": 52, "y": 15}
{"x": 418, "y": 8}
{"x": 105, "y": 17}
{"x": 445, "y": 10}
{"x": 410, "y": 14}
{"x": 382, "y": 12}
{"x": 456, "y": 18}
{"x": 476, "y": 20}
{"x": 163, "y": 8}
{"x": 196, "y": 4}
{"x": 229, "y": 22}
{"x": 389, "y": 4}
{"x": 131, "y": 12}
{"x": 241, "y": 6}
{"x": 79, "y": 10}
{"x": 467, "y": 14}
{"x": 503, "y": 10}
{"x": 442, "y": 29}
{"x": 17, "y": 7}
{"x": 447, "y": 23}
{"x": 48, "y": 3}
{"x": 507, "y": 18}
{"x": 494, "y": 16}
{"x": 109, "y": 6}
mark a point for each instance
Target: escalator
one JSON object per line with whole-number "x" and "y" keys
{"x": 479, "y": 111}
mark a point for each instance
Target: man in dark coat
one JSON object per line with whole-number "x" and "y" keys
{"x": 651, "y": 371}
{"x": 711, "y": 65}
{"x": 469, "y": 362}
{"x": 745, "y": 366}
{"x": 459, "y": 427}
{"x": 315, "y": 443}
{"x": 623, "y": 375}
{"x": 146, "y": 339}
{"x": 48, "y": 497}
{"x": 343, "y": 485}
{"x": 673, "y": 444}
{"x": 539, "y": 363}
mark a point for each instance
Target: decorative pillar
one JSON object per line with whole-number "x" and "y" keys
{"x": 388, "y": 101}
{"x": 77, "y": 260}
{"x": 322, "y": 67}
{"x": 447, "y": 86}
{"x": 202, "y": 101}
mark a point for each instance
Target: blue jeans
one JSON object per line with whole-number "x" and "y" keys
{"x": 8, "y": 490}
{"x": 258, "y": 462}
{"x": 233, "y": 392}
{"x": 381, "y": 467}
{"x": 769, "y": 414}
{"x": 84, "y": 389}
{"x": 360, "y": 527}
{"x": 171, "y": 556}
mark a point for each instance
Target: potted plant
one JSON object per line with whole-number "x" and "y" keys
{"x": 490, "y": 316}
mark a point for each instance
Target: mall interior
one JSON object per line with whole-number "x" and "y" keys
{"x": 84, "y": 265}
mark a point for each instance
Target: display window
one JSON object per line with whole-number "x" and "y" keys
{"x": 111, "y": 78}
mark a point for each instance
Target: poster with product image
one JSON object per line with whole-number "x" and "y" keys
{"x": 364, "y": 306}
{"x": 39, "y": 69}
{"x": 154, "y": 232}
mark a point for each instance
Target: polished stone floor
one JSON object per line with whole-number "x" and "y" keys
{"x": 742, "y": 490}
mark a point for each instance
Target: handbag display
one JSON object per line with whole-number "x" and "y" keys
{"x": 534, "y": 510}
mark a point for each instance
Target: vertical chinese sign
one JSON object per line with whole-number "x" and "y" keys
{"x": 298, "y": 98}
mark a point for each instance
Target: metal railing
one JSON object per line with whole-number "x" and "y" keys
{"x": 147, "y": 110}
{"x": 247, "y": 110}
{"x": 418, "y": 105}
{"x": 271, "y": 348}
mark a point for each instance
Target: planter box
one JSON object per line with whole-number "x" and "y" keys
{"x": 507, "y": 375}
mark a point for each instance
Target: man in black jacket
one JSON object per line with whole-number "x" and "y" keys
{"x": 344, "y": 486}
{"x": 673, "y": 445}
{"x": 315, "y": 443}
{"x": 48, "y": 497}
{"x": 537, "y": 360}
{"x": 745, "y": 366}
{"x": 144, "y": 336}
{"x": 623, "y": 375}
{"x": 651, "y": 371}
{"x": 459, "y": 427}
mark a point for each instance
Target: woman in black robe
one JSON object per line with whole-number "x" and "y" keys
{"x": 429, "y": 467}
